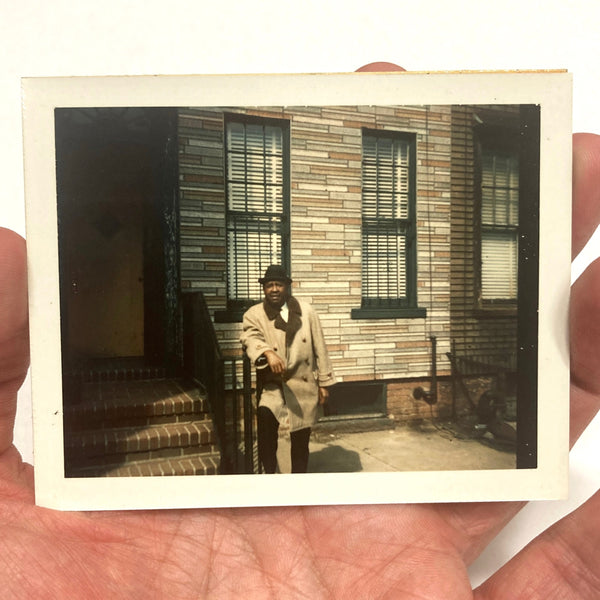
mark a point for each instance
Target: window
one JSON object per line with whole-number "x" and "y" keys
{"x": 499, "y": 225}
{"x": 257, "y": 174}
{"x": 388, "y": 226}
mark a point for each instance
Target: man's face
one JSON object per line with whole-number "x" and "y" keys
{"x": 275, "y": 293}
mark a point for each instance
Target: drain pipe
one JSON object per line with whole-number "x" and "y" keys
{"x": 430, "y": 396}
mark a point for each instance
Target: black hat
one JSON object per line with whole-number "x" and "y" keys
{"x": 275, "y": 273}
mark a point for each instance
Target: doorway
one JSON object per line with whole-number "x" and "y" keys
{"x": 118, "y": 238}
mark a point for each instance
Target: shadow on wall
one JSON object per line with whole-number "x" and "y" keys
{"x": 334, "y": 459}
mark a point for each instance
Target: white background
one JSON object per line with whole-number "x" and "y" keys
{"x": 117, "y": 38}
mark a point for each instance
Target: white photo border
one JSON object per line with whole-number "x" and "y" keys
{"x": 551, "y": 90}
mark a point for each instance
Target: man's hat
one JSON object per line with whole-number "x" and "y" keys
{"x": 275, "y": 273}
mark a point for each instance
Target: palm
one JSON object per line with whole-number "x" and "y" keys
{"x": 412, "y": 551}
{"x": 312, "y": 552}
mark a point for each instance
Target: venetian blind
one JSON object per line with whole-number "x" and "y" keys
{"x": 254, "y": 205}
{"x": 499, "y": 225}
{"x": 385, "y": 214}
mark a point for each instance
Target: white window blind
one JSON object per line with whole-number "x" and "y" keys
{"x": 499, "y": 225}
{"x": 385, "y": 178}
{"x": 499, "y": 266}
{"x": 255, "y": 204}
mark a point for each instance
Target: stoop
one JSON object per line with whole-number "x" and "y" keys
{"x": 140, "y": 428}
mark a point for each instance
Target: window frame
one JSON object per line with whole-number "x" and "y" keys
{"x": 236, "y": 307}
{"x": 401, "y": 307}
{"x": 501, "y": 140}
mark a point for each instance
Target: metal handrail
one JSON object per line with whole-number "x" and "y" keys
{"x": 219, "y": 376}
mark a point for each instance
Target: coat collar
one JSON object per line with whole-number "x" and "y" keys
{"x": 294, "y": 322}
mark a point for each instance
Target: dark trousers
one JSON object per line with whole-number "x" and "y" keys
{"x": 268, "y": 430}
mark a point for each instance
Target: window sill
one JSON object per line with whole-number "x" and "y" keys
{"x": 389, "y": 313}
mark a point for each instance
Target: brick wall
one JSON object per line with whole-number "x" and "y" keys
{"x": 326, "y": 149}
{"x": 402, "y": 406}
{"x": 202, "y": 201}
{"x": 475, "y": 331}
{"x": 325, "y": 157}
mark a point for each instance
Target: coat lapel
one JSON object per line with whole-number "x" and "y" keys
{"x": 294, "y": 323}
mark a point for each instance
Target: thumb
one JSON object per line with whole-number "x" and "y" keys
{"x": 14, "y": 334}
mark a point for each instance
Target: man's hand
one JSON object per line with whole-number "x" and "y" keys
{"x": 323, "y": 395}
{"x": 276, "y": 364}
{"x": 399, "y": 552}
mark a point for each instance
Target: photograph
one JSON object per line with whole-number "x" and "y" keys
{"x": 390, "y": 233}
{"x": 301, "y": 288}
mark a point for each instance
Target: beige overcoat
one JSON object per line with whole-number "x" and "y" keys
{"x": 293, "y": 397}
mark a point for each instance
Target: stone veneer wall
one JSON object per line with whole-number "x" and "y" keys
{"x": 325, "y": 155}
{"x": 325, "y": 227}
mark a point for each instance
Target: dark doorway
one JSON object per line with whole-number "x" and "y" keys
{"x": 118, "y": 238}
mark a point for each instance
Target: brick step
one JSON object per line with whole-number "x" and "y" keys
{"x": 199, "y": 464}
{"x": 136, "y": 404}
{"x": 119, "y": 370}
{"x": 165, "y": 440}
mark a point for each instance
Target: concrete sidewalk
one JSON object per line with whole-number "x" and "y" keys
{"x": 424, "y": 447}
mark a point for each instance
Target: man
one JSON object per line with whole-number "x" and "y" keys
{"x": 282, "y": 336}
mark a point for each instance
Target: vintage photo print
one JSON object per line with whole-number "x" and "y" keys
{"x": 298, "y": 289}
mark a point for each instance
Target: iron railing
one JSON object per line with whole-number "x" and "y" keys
{"x": 498, "y": 367}
{"x": 240, "y": 414}
{"x": 227, "y": 382}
